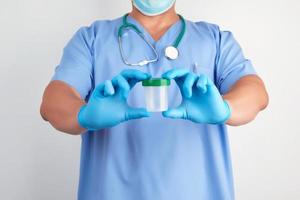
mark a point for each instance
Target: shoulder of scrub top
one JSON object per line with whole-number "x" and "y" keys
{"x": 208, "y": 28}
{"x": 105, "y": 27}
{"x": 214, "y": 31}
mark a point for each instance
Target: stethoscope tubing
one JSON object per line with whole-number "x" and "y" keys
{"x": 128, "y": 26}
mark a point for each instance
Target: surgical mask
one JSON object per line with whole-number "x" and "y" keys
{"x": 153, "y": 7}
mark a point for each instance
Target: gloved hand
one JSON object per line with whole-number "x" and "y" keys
{"x": 108, "y": 106}
{"x": 201, "y": 100}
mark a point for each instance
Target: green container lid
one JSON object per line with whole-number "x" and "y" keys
{"x": 156, "y": 82}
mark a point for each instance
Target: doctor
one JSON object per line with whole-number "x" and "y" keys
{"x": 128, "y": 153}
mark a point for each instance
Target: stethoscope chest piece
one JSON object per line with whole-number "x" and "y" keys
{"x": 171, "y": 53}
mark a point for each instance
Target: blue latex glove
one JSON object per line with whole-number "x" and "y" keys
{"x": 108, "y": 106}
{"x": 201, "y": 100}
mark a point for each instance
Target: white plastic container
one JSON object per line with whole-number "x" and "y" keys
{"x": 156, "y": 94}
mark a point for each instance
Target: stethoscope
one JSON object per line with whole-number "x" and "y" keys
{"x": 171, "y": 52}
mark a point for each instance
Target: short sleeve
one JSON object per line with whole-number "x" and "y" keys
{"x": 76, "y": 64}
{"x": 231, "y": 65}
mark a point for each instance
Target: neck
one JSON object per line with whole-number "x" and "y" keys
{"x": 156, "y": 25}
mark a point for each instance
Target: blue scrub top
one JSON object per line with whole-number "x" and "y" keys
{"x": 154, "y": 158}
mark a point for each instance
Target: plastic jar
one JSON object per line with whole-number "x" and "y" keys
{"x": 156, "y": 94}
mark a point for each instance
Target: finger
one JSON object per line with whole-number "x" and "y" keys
{"x": 98, "y": 91}
{"x": 122, "y": 85}
{"x": 136, "y": 113}
{"x": 108, "y": 89}
{"x": 188, "y": 84}
{"x": 175, "y": 73}
{"x": 133, "y": 76}
{"x": 210, "y": 82}
{"x": 175, "y": 113}
{"x": 202, "y": 83}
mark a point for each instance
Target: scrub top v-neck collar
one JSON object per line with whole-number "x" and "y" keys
{"x": 167, "y": 39}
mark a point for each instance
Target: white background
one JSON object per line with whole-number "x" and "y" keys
{"x": 37, "y": 162}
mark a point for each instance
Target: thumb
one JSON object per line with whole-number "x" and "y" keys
{"x": 136, "y": 113}
{"x": 176, "y": 113}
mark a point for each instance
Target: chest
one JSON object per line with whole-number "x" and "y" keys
{"x": 197, "y": 53}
